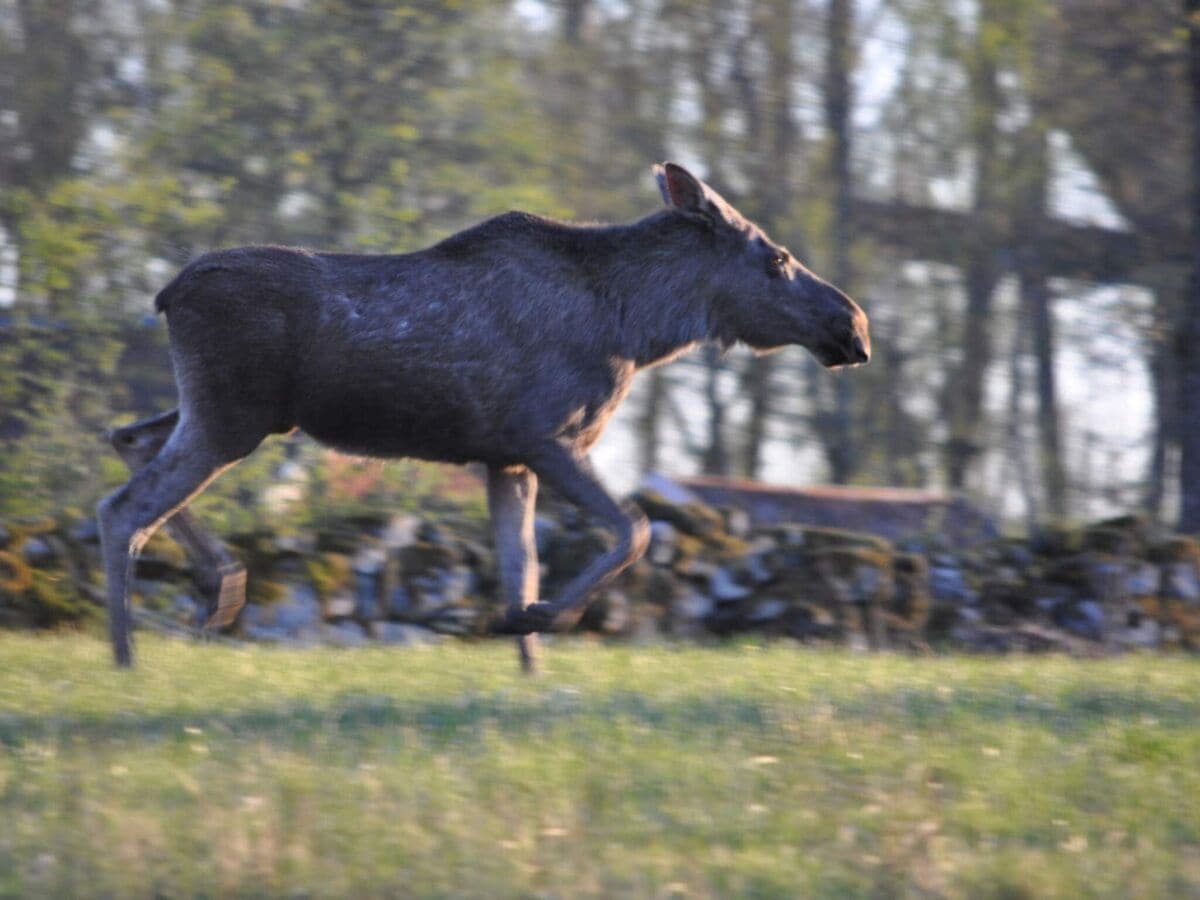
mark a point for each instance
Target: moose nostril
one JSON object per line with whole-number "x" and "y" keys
{"x": 861, "y": 354}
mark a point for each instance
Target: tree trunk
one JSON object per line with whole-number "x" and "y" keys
{"x": 573, "y": 17}
{"x": 716, "y": 459}
{"x": 842, "y": 456}
{"x": 50, "y": 73}
{"x": 1031, "y": 179}
{"x": 756, "y": 383}
{"x": 1015, "y": 457}
{"x": 775, "y": 185}
{"x": 648, "y": 420}
{"x": 48, "y": 76}
{"x": 1036, "y": 297}
{"x": 706, "y": 41}
{"x": 964, "y": 390}
{"x": 1189, "y": 331}
{"x": 1163, "y": 372}
{"x": 892, "y": 415}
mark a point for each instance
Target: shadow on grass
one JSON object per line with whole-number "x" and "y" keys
{"x": 358, "y": 716}
{"x": 1072, "y": 711}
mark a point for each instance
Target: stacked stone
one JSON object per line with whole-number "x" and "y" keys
{"x": 400, "y": 580}
{"x": 709, "y": 573}
{"x": 1117, "y": 583}
{"x": 409, "y": 578}
{"x": 43, "y": 574}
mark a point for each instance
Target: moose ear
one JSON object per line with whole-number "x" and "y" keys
{"x": 681, "y": 189}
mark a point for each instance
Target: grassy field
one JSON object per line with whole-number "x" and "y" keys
{"x": 646, "y": 772}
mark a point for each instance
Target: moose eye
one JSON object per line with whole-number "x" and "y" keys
{"x": 778, "y": 265}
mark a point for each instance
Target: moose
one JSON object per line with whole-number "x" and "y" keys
{"x": 510, "y": 344}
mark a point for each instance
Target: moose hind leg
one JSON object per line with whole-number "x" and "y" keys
{"x": 512, "y": 497}
{"x": 140, "y": 442}
{"x": 184, "y": 465}
{"x": 220, "y": 577}
{"x": 572, "y": 477}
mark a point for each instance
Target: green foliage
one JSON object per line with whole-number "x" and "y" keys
{"x": 234, "y": 505}
{"x": 40, "y": 598}
{"x": 369, "y": 126}
{"x": 58, "y": 404}
{"x": 626, "y": 772}
{"x": 345, "y": 488}
{"x": 83, "y": 244}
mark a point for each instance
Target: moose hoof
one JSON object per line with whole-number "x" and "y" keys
{"x": 123, "y": 655}
{"x": 231, "y": 596}
{"x": 540, "y": 617}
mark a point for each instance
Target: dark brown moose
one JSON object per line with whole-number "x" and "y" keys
{"x": 510, "y": 344}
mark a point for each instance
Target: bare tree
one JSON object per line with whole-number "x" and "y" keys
{"x": 964, "y": 391}
{"x": 840, "y": 442}
{"x": 1031, "y": 184}
{"x": 1189, "y": 329}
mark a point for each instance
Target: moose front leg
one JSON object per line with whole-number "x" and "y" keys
{"x": 220, "y": 577}
{"x": 571, "y": 476}
{"x": 512, "y": 497}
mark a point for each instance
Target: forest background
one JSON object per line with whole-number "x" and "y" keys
{"x": 1008, "y": 186}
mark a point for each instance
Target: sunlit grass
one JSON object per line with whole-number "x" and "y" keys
{"x": 730, "y": 772}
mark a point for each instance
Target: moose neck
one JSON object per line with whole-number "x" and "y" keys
{"x": 657, "y": 273}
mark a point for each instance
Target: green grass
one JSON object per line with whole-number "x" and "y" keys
{"x": 624, "y": 771}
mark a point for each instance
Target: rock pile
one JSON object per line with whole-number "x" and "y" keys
{"x": 1116, "y": 583}
{"x": 413, "y": 579}
{"x": 708, "y": 572}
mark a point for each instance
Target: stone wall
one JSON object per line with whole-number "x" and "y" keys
{"x": 708, "y": 574}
